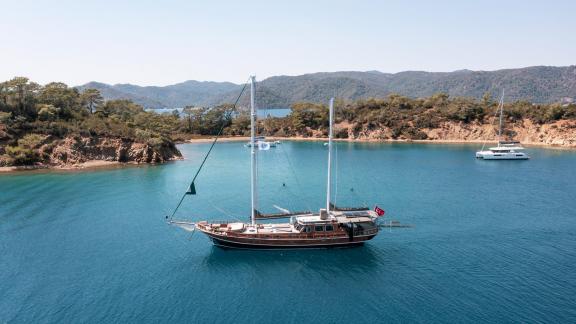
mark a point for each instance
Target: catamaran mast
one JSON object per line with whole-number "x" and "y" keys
{"x": 501, "y": 110}
{"x": 329, "y": 184}
{"x": 253, "y": 149}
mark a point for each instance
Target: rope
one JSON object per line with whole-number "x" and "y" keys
{"x": 305, "y": 201}
{"x": 289, "y": 203}
{"x": 228, "y": 114}
{"x": 336, "y": 176}
{"x": 222, "y": 210}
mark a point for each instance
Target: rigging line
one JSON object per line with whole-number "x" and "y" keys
{"x": 293, "y": 198}
{"x": 275, "y": 158}
{"x": 336, "y": 175}
{"x": 356, "y": 197}
{"x": 295, "y": 178}
{"x": 228, "y": 114}
{"x": 222, "y": 210}
{"x": 292, "y": 206}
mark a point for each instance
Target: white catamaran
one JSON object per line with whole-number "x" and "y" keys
{"x": 330, "y": 227}
{"x": 506, "y": 150}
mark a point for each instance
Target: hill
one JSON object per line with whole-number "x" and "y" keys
{"x": 539, "y": 84}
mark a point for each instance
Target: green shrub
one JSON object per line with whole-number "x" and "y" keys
{"x": 397, "y": 130}
{"x": 554, "y": 113}
{"x": 341, "y": 133}
{"x": 47, "y": 112}
{"x": 31, "y": 141}
{"x": 21, "y": 155}
{"x": 5, "y": 117}
{"x": 143, "y": 135}
{"x": 426, "y": 121}
{"x": 465, "y": 112}
{"x": 156, "y": 142}
{"x": 415, "y": 134}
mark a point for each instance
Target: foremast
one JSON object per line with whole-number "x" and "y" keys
{"x": 253, "y": 171}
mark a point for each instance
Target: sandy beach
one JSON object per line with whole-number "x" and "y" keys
{"x": 317, "y": 139}
{"x": 93, "y": 164}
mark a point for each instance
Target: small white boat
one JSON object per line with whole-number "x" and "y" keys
{"x": 262, "y": 143}
{"x": 506, "y": 150}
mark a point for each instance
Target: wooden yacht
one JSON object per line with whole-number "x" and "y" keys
{"x": 330, "y": 227}
{"x": 339, "y": 229}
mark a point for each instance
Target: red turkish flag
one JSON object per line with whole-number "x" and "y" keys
{"x": 379, "y": 211}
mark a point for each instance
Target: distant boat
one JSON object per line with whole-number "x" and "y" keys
{"x": 506, "y": 150}
{"x": 262, "y": 143}
{"x": 330, "y": 227}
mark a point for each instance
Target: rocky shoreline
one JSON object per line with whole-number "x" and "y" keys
{"x": 76, "y": 150}
{"x": 77, "y": 153}
{"x": 561, "y": 134}
{"x": 73, "y": 153}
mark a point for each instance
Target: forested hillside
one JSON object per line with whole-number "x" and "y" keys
{"x": 539, "y": 84}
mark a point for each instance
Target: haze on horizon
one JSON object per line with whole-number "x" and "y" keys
{"x": 153, "y": 43}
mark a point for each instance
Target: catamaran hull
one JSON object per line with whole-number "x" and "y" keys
{"x": 503, "y": 156}
{"x": 258, "y": 244}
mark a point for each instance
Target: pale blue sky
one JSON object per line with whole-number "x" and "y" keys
{"x": 164, "y": 42}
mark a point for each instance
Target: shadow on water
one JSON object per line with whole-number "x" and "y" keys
{"x": 367, "y": 258}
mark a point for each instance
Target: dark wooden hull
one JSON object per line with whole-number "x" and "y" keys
{"x": 259, "y": 244}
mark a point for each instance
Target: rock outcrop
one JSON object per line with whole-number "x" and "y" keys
{"x": 76, "y": 150}
{"x": 561, "y": 133}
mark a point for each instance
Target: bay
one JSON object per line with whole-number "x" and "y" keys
{"x": 494, "y": 241}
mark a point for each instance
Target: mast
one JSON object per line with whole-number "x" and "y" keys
{"x": 501, "y": 110}
{"x": 329, "y": 184}
{"x": 253, "y": 149}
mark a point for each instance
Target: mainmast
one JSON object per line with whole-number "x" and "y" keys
{"x": 329, "y": 184}
{"x": 253, "y": 149}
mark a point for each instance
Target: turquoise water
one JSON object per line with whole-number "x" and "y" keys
{"x": 492, "y": 242}
{"x": 274, "y": 112}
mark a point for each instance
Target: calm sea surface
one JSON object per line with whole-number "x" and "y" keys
{"x": 492, "y": 242}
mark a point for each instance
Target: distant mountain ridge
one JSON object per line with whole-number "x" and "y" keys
{"x": 540, "y": 84}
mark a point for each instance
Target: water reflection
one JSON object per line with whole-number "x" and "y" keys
{"x": 362, "y": 259}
